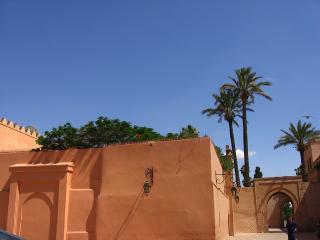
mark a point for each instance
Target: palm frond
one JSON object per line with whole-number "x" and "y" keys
{"x": 247, "y": 84}
{"x": 265, "y": 95}
{"x": 298, "y": 135}
{"x": 226, "y": 86}
{"x": 226, "y": 105}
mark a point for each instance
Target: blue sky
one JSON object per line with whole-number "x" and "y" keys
{"x": 156, "y": 63}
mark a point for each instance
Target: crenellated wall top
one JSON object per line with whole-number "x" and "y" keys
{"x": 10, "y": 124}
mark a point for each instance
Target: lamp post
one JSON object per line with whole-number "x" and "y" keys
{"x": 235, "y": 193}
{"x": 149, "y": 181}
{"x": 218, "y": 180}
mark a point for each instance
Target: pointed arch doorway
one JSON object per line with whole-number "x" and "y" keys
{"x": 279, "y": 207}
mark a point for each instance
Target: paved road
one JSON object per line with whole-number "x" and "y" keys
{"x": 272, "y": 236}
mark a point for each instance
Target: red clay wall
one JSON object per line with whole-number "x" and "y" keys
{"x": 311, "y": 156}
{"x": 220, "y": 199}
{"x": 180, "y": 205}
{"x": 245, "y": 220}
{"x": 106, "y": 195}
{"x": 15, "y": 138}
{"x": 309, "y": 210}
{"x": 315, "y": 150}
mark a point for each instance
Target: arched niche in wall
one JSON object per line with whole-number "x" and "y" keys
{"x": 36, "y": 216}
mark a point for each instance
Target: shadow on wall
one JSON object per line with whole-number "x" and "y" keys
{"x": 86, "y": 175}
{"x": 106, "y": 195}
{"x": 132, "y": 211}
{"x": 308, "y": 211}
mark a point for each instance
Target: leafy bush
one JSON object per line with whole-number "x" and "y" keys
{"x": 105, "y": 131}
{"x": 225, "y": 161}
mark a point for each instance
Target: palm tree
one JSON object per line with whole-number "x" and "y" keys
{"x": 246, "y": 87}
{"x": 299, "y": 136}
{"x": 227, "y": 107}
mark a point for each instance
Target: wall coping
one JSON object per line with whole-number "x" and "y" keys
{"x": 278, "y": 179}
{"x": 50, "y": 167}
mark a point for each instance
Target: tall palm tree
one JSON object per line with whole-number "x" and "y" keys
{"x": 227, "y": 107}
{"x": 299, "y": 136}
{"x": 246, "y": 85}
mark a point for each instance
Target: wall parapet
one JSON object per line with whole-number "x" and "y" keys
{"x": 10, "y": 124}
{"x": 274, "y": 180}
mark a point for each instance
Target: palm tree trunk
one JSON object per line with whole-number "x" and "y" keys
{"x": 246, "y": 181}
{"x": 303, "y": 167}
{"x": 233, "y": 145}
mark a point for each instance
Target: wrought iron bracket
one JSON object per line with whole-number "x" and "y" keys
{"x": 218, "y": 180}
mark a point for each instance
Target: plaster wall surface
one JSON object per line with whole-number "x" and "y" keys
{"x": 245, "y": 212}
{"x": 16, "y": 138}
{"x": 97, "y": 194}
{"x": 221, "y": 200}
{"x": 315, "y": 151}
{"x": 180, "y": 205}
{"x": 310, "y": 206}
{"x": 314, "y": 175}
{"x": 312, "y": 161}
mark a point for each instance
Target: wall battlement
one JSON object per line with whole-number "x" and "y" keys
{"x": 10, "y": 124}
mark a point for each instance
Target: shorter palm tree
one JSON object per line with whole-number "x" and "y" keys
{"x": 227, "y": 107}
{"x": 299, "y": 136}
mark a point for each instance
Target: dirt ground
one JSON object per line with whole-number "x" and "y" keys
{"x": 273, "y": 236}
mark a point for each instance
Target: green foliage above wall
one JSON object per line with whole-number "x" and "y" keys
{"x": 225, "y": 160}
{"x": 105, "y": 131}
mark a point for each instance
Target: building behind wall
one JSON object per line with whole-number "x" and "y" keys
{"x": 312, "y": 161}
{"x": 14, "y": 137}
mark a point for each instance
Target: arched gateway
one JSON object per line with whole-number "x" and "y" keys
{"x": 279, "y": 207}
{"x": 262, "y": 206}
{"x": 277, "y": 193}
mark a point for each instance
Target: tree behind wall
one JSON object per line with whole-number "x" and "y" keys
{"x": 243, "y": 173}
{"x": 257, "y": 173}
{"x": 287, "y": 210}
{"x": 189, "y": 132}
{"x": 225, "y": 160}
{"x": 298, "y": 170}
{"x": 105, "y": 131}
{"x": 59, "y": 138}
{"x": 247, "y": 87}
{"x": 227, "y": 106}
{"x": 299, "y": 135}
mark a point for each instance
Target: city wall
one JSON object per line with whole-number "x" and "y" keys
{"x": 98, "y": 194}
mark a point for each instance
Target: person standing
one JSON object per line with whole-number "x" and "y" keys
{"x": 291, "y": 229}
{"x": 318, "y": 230}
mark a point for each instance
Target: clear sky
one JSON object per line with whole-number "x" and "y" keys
{"x": 156, "y": 63}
